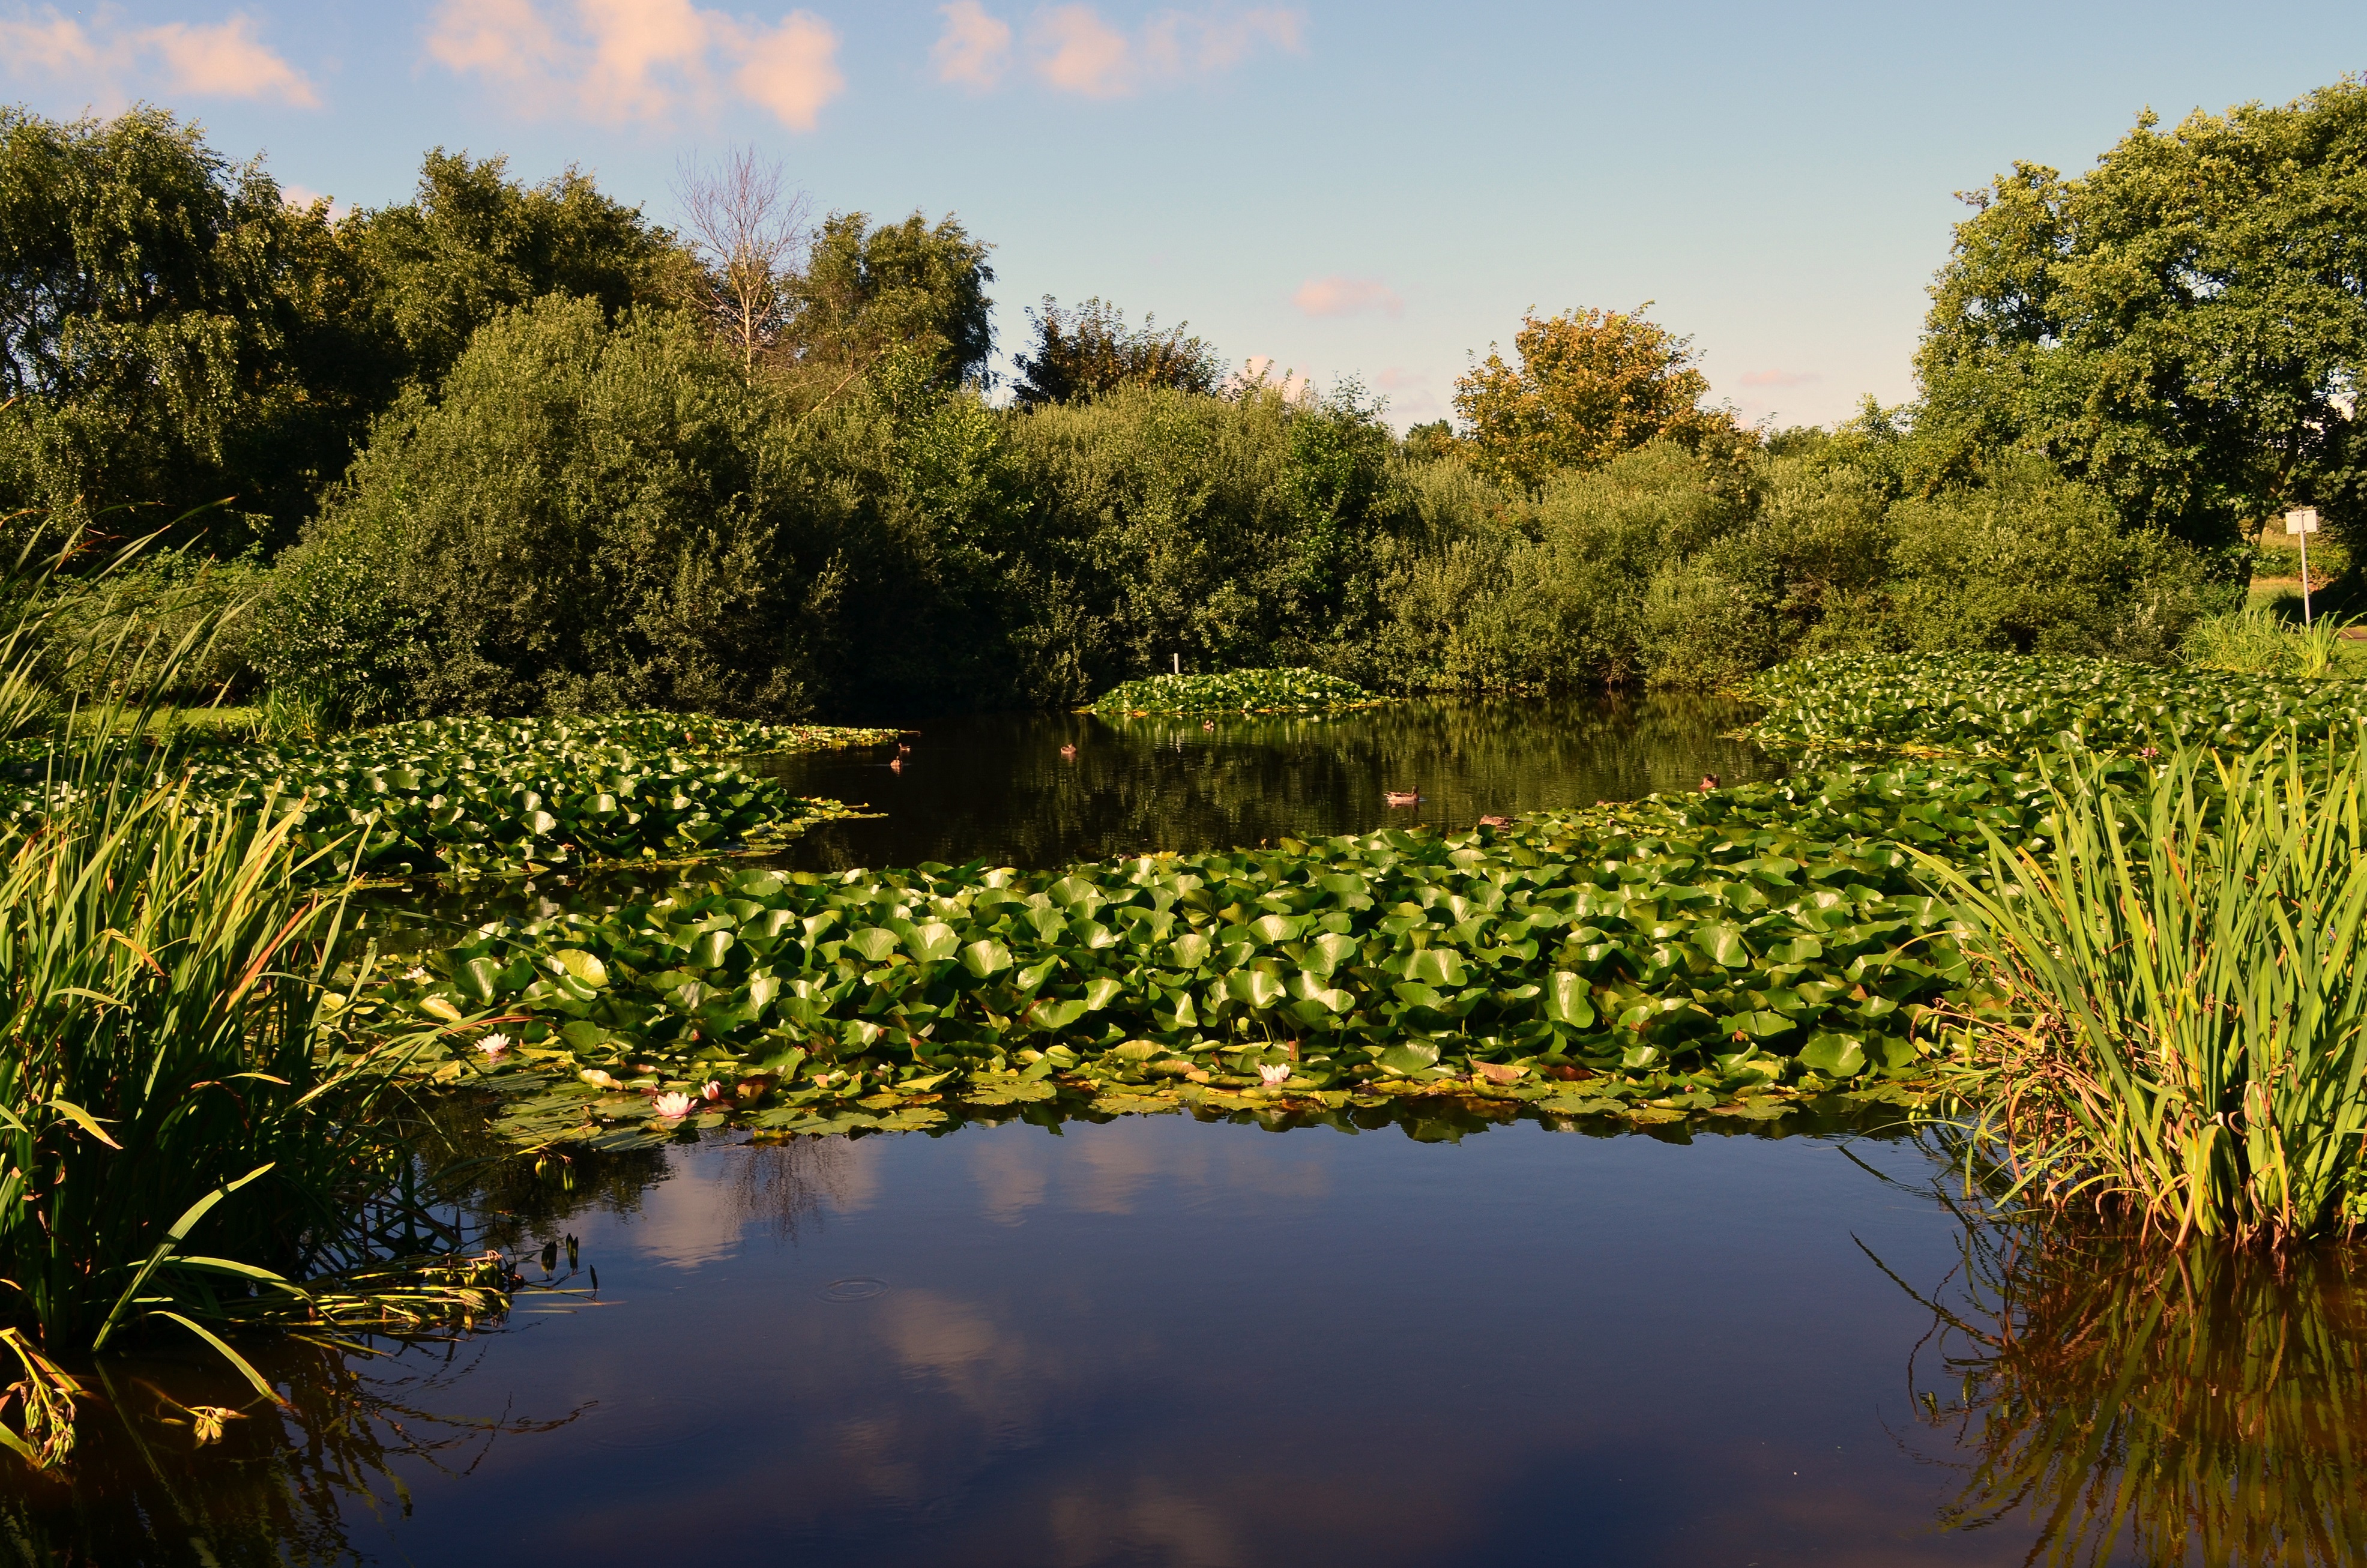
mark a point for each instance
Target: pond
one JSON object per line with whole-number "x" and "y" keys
{"x": 1166, "y": 1340}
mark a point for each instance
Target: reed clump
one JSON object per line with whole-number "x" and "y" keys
{"x": 191, "y": 1140}
{"x": 2178, "y": 971}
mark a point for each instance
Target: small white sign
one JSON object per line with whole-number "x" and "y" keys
{"x": 2303, "y": 521}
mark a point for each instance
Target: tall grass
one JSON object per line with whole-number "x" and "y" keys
{"x": 186, "y": 1126}
{"x": 2181, "y": 975}
{"x": 2257, "y": 642}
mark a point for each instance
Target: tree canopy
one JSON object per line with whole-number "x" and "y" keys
{"x": 913, "y": 284}
{"x": 473, "y": 242}
{"x": 2183, "y": 326}
{"x": 1591, "y": 384}
{"x": 171, "y": 331}
{"x": 1089, "y": 350}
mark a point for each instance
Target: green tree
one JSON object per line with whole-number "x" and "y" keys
{"x": 1084, "y": 352}
{"x": 172, "y": 333}
{"x": 2183, "y": 326}
{"x": 1591, "y": 384}
{"x": 473, "y": 242}
{"x": 866, "y": 290}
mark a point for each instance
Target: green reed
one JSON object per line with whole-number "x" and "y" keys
{"x": 187, "y": 1129}
{"x": 2180, "y": 973}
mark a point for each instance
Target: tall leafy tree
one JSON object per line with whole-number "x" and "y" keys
{"x": 171, "y": 331}
{"x": 2184, "y": 326}
{"x": 1591, "y": 385}
{"x": 913, "y": 284}
{"x": 1083, "y": 352}
{"x": 473, "y": 242}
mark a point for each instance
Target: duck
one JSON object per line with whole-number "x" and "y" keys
{"x": 1709, "y": 782}
{"x": 1495, "y": 822}
{"x": 896, "y": 765}
{"x": 1208, "y": 723}
{"x": 1069, "y": 750}
{"x": 1402, "y": 797}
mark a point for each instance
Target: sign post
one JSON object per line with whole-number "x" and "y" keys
{"x": 2301, "y": 523}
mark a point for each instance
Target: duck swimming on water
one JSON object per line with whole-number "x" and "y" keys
{"x": 1402, "y": 797}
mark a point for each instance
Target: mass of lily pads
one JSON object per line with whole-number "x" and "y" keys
{"x": 2002, "y": 705}
{"x": 471, "y": 795}
{"x": 1737, "y": 952}
{"x": 1235, "y": 691}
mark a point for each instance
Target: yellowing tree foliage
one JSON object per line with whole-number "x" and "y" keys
{"x": 1591, "y": 384}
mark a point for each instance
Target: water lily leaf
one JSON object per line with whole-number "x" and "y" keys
{"x": 1834, "y": 1055}
{"x": 1723, "y": 943}
{"x": 1406, "y": 1060}
{"x": 1101, "y": 992}
{"x": 933, "y": 943}
{"x": 1050, "y": 1016}
{"x": 1440, "y": 966}
{"x": 1417, "y": 995}
{"x": 875, "y": 944}
{"x": 986, "y": 958}
{"x": 1569, "y": 1000}
{"x": 583, "y": 966}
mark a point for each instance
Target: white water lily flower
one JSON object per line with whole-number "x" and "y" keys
{"x": 1273, "y": 1073}
{"x": 494, "y": 1044}
{"x": 417, "y": 975}
{"x": 674, "y": 1106}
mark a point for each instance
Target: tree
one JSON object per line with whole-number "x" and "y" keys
{"x": 2184, "y": 326}
{"x": 1083, "y": 353}
{"x": 172, "y": 333}
{"x": 1591, "y": 384}
{"x": 866, "y": 290}
{"x": 473, "y": 242}
{"x": 748, "y": 227}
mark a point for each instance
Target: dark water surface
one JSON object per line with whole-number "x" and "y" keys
{"x": 1166, "y": 1342}
{"x": 995, "y": 787}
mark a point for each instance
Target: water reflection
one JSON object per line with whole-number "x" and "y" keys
{"x": 2145, "y": 1405}
{"x": 286, "y": 1485}
{"x": 996, "y": 786}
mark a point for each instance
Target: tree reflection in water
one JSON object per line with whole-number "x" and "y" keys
{"x": 2147, "y": 1405}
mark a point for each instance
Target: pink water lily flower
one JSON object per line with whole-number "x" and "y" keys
{"x": 1273, "y": 1073}
{"x": 713, "y": 1091}
{"x": 674, "y": 1106}
{"x": 494, "y": 1044}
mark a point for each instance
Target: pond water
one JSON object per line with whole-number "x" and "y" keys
{"x": 1169, "y": 1341}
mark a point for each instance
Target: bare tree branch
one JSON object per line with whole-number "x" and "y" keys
{"x": 749, "y": 227}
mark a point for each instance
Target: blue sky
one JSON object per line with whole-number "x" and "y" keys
{"x": 1374, "y": 189}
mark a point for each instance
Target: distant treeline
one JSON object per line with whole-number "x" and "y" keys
{"x": 509, "y": 449}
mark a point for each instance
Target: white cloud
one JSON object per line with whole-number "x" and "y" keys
{"x": 1074, "y": 48}
{"x": 1338, "y": 295}
{"x": 621, "y": 60}
{"x": 1078, "y": 52}
{"x": 792, "y": 70}
{"x": 201, "y": 59}
{"x": 975, "y": 48}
